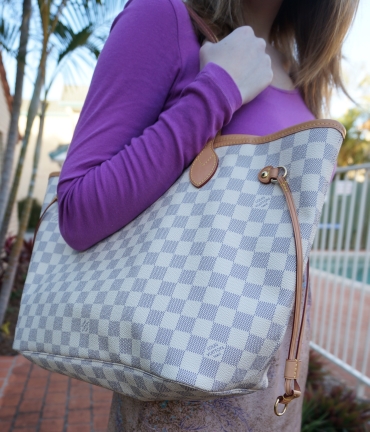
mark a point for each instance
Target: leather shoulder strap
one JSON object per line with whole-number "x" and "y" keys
{"x": 204, "y": 29}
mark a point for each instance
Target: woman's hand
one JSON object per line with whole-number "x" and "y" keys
{"x": 243, "y": 56}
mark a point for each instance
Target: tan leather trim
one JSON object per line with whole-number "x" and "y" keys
{"x": 299, "y": 271}
{"x": 204, "y": 166}
{"x": 237, "y": 139}
{"x": 292, "y": 366}
{"x": 55, "y": 199}
{"x": 268, "y": 173}
{"x": 292, "y": 369}
{"x": 202, "y": 174}
{"x": 299, "y": 275}
{"x": 304, "y": 313}
{"x": 54, "y": 174}
{"x": 296, "y": 393}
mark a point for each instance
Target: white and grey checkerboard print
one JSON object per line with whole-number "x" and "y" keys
{"x": 193, "y": 297}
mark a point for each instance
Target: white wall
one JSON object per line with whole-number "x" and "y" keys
{"x": 4, "y": 126}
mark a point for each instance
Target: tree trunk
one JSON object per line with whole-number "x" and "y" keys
{"x": 1, "y": 151}
{"x": 32, "y": 112}
{"x": 10, "y": 272}
{"x": 7, "y": 162}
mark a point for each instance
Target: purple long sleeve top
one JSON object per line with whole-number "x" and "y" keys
{"x": 148, "y": 113}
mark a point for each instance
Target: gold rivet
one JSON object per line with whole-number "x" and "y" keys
{"x": 264, "y": 174}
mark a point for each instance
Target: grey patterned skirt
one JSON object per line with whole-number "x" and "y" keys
{"x": 252, "y": 412}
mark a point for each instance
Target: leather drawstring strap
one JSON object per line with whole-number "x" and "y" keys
{"x": 292, "y": 365}
{"x": 55, "y": 199}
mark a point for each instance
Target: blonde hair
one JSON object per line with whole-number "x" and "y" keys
{"x": 310, "y": 34}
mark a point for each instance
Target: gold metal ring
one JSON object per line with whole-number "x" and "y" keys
{"x": 276, "y": 405}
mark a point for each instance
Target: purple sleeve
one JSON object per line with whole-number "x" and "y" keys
{"x": 126, "y": 152}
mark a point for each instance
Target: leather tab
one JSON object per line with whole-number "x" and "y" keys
{"x": 285, "y": 399}
{"x": 204, "y": 165}
{"x": 267, "y": 174}
{"x": 292, "y": 369}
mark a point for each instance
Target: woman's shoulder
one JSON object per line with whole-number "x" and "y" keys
{"x": 158, "y": 12}
{"x": 164, "y": 28}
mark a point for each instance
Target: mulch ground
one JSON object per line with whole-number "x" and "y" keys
{"x": 11, "y": 316}
{"x": 6, "y": 340}
{"x": 34, "y": 400}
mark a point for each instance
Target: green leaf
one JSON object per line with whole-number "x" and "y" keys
{"x": 8, "y": 36}
{"x": 5, "y": 328}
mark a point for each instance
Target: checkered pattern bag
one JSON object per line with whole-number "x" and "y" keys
{"x": 192, "y": 299}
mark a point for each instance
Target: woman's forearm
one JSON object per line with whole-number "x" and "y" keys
{"x": 126, "y": 152}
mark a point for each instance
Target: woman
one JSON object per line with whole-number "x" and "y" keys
{"x": 155, "y": 99}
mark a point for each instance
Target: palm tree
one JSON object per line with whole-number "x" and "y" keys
{"x": 355, "y": 148}
{"x": 49, "y": 19}
{"x": 55, "y": 16}
{"x": 8, "y": 36}
{"x": 82, "y": 39}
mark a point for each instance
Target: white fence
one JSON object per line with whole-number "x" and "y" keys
{"x": 340, "y": 268}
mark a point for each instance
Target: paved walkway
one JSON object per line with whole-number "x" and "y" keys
{"x": 34, "y": 400}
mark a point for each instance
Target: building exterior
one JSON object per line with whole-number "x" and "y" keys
{"x": 60, "y": 122}
{"x": 5, "y": 111}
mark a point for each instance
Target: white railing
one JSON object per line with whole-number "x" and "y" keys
{"x": 340, "y": 282}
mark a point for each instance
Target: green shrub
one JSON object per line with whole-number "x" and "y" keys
{"x": 316, "y": 370}
{"x": 336, "y": 410}
{"x": 23, "y": 263}
{"x": 34, "y": 215}
{"x": 328, "y": 407}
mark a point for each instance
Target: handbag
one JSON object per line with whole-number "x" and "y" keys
{"x": 191, "y": 300}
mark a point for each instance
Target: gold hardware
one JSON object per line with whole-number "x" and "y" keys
{"x": 285, "y": 170}
{"x": 279, "y": 414}
{"x": 284, "y": 175}
{"x": 264, "y": 174}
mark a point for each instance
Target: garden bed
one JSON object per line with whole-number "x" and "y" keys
{"x": 8, "y": 328}
{"x": 7, "y": 336}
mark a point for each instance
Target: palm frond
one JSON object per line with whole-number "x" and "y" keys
{"x": 72, "y": 32}
{"x": 9, "y": 33}
{"x": 76, "y": 40}
{"x": 80, "y": 34}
